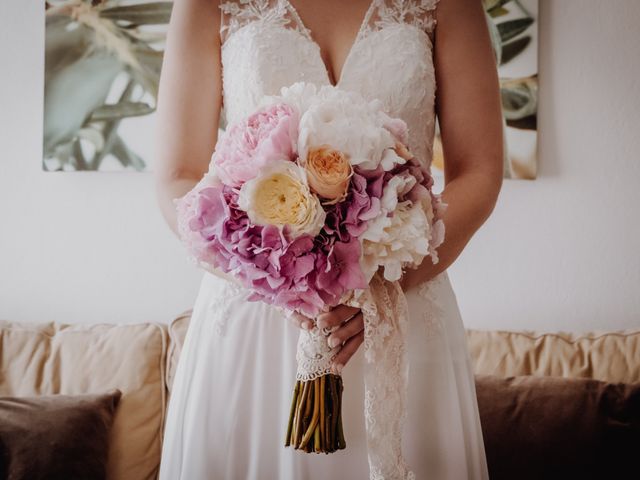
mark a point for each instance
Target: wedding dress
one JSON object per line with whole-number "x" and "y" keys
{"x": 229, "y": 407}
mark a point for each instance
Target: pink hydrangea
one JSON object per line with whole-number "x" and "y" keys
{"x": 302, "y": 273}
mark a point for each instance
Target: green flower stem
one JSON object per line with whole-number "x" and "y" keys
{"x": 316, "y": 412}
{"x": 335, "y": 403}
{"x": 341, "y": 442}
{"x": 298, "y": 422}
{"x": 315, "y": 423}
{"x": 296, "y": 391}
{"x": 320, "y": 428}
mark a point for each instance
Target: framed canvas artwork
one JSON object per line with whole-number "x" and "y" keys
{"x": 102, "y": 67}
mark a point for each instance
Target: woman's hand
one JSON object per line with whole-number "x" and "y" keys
{"x": 349, "y": 334}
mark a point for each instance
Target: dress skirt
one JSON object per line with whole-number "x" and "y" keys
{"x": 229, "y": 407}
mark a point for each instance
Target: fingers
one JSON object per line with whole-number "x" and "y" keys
{"x": 347, "y": 351}
{"x": 346, "y": 331}
{"x": 336, "y": 316}
{"x": 300, "y": 320}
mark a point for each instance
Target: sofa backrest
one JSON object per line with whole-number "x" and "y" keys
{"x": 607, "y": 356}
{"x": 51, "y": 358}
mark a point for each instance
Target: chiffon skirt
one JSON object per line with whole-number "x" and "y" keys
{"x": 229, "y": 407}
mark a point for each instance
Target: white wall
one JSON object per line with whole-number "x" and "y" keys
{"x": 558, "y": 253}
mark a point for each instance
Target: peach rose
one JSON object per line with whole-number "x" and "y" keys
{"x": 403, "y": 151}
{"x": 328, "y": 173}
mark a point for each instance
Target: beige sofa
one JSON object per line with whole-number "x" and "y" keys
{"x": 140, "y": 360}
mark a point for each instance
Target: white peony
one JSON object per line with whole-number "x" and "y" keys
{"x": 399, "y": 236}
{"x": 300, "y": 96}
{"x": 344, "y": 120}
{"x": 349, "y": 125}
{"x": 401, "y": 240}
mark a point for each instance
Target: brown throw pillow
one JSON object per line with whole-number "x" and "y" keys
{"x": 56, "y": 437}
{"x": 558, "y": 428}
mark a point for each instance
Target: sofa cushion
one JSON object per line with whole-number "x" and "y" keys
{"x": 56, "y": 437}
{"x": 607, "y": 356}
{"x": 57, "y": 358}
{"x": 553, "y": 427}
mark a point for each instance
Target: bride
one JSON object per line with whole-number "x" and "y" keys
{"x": 230, "y": 401}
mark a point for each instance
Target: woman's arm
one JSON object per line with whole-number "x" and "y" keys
{"x": 189, "y": 103}
{"x": 470, "y": 117}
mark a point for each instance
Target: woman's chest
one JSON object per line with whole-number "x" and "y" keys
{"x": 392, "y": 64}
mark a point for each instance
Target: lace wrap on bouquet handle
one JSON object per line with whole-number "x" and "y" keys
{"x": 313, "y": 355}
{"x": 386, "y": 372}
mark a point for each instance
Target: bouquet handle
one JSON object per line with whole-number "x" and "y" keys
{"x": 386, "y": 371}
{"x": 315, "y": 418}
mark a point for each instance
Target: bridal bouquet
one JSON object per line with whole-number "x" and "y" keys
{"x": 309, "y": 201}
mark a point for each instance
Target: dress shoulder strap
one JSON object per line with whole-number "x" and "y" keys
{"x": 419, "y": 13}
{"x": 235, "y": 14}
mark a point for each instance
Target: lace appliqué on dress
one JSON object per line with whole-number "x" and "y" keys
{"x": 433, "y": 311}
{"x": 419, "y": 13}
{"x": 236, "y": 14}
{"x": 220, "y": 306}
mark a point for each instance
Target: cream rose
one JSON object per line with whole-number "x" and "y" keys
{"x": 328, "y": 173}
{"x": 280, "y": 195}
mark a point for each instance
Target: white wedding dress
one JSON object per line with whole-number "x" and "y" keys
{"x": 229, "y": 407}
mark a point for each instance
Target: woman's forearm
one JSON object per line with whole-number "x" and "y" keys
{"x": 471, "y": 197}
{"x": 169, "y": 189}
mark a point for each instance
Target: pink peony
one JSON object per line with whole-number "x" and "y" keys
{"x": 269, "y": 134}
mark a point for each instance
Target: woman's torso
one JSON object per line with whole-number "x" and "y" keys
{"x": 266, "y": 46}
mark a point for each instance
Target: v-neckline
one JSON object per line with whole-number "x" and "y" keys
{"x": 309, "y": 36}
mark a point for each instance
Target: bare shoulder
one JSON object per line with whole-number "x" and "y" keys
{"x": 458, "y": 16}
{"x": 197, "y": 13}
{"x": 462, "y": 36}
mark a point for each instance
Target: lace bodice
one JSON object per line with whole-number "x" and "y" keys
{"x": 265, "y": 46}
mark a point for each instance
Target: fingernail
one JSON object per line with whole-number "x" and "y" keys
{"x": 338, "y": 368}
{"x": 334, "y": 342}
{"x": 306, "y": 325}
